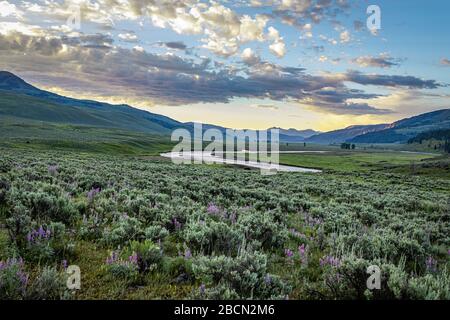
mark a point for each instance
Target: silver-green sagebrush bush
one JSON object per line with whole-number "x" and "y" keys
{"x": 157, "y": 229}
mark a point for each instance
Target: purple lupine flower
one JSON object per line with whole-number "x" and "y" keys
{"x": 202, "y": 289}
{"x": 311, "y": 221}
{"x": 64, "y": 264}
{"x": 17, "y": 266}
{"x": 53, "y": 170}
{"x": 330, "y": 261}
{"x": 288, "y": 252}
{"x": 212, "y": 209}
{"x": 91, "y": 194}
{"x": 268, "y": 279}
{"x": 303, "y": 252}
{"x": 39, "y": 235}
{"x": 187, "y": 254}
{"x": 177, "y": 224}
{"x": 112, "y": 258}
{"x": 133, "y": 258}
{"x": 431, "y": 264}
{"x": 297, "y": 234}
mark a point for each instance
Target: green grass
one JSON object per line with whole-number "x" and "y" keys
{"x": 353, "y": 160}
{"x": 38, "y": 135}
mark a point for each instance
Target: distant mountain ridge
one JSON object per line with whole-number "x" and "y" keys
{"x": 343, "y": 135}
{"x": 21, "y": 100}
{"x": 403, "y": 130}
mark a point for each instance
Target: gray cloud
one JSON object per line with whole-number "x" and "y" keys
{"x": 445, "y": 62}
{"x": 171, "y": 80}
{"x": 381, "y": 61}
{"x": 391, "y": 80}
{"x": 178, "y": 45}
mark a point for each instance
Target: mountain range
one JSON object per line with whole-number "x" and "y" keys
{"x": 21, "y": 101}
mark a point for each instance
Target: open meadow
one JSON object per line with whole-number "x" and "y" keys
{"x": 140, "y": 227}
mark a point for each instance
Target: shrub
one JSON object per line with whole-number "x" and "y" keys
{"x": 212, "y": 236}
{"x": 13, "y": 279}
{"x": 49, "y": 285}
{"x": 124, "y": 229}
{"x": 149, "y": 256}
{"x": 243, "y": 277}
{"x": 127, "y": 269}
{"x": 261, "y": 227}
{"x": 4, "y": 188}
{"x": 156, "y": 232}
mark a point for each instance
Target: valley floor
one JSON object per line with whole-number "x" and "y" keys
{"x": 144, "y": 228}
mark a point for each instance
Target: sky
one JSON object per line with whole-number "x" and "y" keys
{"x": 241, "y": 64}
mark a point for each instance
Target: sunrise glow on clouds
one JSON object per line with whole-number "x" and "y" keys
{"x": 243, "y": 64}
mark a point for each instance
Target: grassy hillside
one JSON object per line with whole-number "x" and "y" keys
{"x": 31, "y": 134}
{"x": 403, "y": 130}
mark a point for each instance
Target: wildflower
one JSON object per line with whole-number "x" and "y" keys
{"x": 267, "y": 279}
{"x": 39, "y": 235}
{"x": 329, "y": 260}
{"x": 133, "y": 258}
{"x": 297, "y": 234}
{"x": 288, "y": 252}
{"x": 177, "y": 224}
{"x": 91, "y": 194}
{"x": 64, "y": 264}
{"x": 187, "y": 254}
{"x": 112, "y": 258}
{"x": 212, "y": 209}
{"x": 53, "y": 170}
{"x": 431, "y": 264}
{"x": 202, "y": 289}
{"x": 303, "y": 252}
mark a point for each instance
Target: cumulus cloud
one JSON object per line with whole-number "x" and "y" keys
{"x": 249, "y": 57}
{"x": 176, "y": 45}
{"x": 92, "y": 64}
{"x": 445, "y": 62}
{"x": 345, "y": 36}
{"x": 295, "y": 12}
{"x": 9, "y": 10}
{"x": 382, "y": 61}
{"x": 278, "y": 47}
{"x": 128, "y": 37}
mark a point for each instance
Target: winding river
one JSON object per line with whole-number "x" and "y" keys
{"x": 208, "y": 157}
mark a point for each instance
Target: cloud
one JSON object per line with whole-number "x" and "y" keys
{"x": 382, "y": 61}
{"x": 9, "y": 10}
{"x": 345, "y": 36}
{"x": 296, "y": 12}
{"x": 265, "y": 106}
{"x": 445, "y": 62}
{"x": 92, "y": 65}
{"x": 391, "y": 80}
{"x": 249, "y": 57}
{"x": 176, "y": 45}
{"x": 351, "y": 109}
{"x": 278, "y": 47}
{"x": 128, "y": 37}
